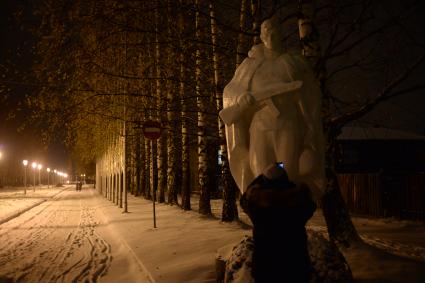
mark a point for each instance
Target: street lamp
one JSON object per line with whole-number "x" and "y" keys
{"x": 48, "y": 175}
{"x": 1, "y": 155}
{"x": 54, "y": 176}
{"x": 25, "y": 162}
{"x": 34, "y": 165}
{"x": 39, "y": 166}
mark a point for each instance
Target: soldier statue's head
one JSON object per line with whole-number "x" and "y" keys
{"x": 271, "y": 35}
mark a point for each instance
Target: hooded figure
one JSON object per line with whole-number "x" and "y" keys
{"x": 272, "y": 113}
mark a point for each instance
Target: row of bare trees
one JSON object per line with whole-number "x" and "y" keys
{"x": 104, "y": 65}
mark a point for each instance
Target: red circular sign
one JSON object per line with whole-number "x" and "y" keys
{"x": 152, "y": 130}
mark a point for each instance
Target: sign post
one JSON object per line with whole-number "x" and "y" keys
{"x": 152, "y": 130}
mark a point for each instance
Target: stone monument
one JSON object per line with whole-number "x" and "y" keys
{"x": 272, "y": 113}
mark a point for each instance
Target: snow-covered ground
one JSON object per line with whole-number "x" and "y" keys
{"x": 81, "y": 236}
{"x": 62, "y": 237}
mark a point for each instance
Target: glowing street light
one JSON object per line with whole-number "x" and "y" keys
{"x": 39, "y": 166}
{"x": 25, "y": 162}
{"x": 48, "y": 175}
{"x": 34, "y": 165}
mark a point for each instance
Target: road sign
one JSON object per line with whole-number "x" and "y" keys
{"x": 152, "y": 129}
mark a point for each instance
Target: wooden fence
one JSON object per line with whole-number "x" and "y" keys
{"x": 415, "y": 197}
{"x": 385, "y": 195}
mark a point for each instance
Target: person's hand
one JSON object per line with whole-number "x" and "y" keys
{"x": 245, "y": 100}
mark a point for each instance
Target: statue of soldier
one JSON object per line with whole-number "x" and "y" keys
{"x": 272, "y": 113}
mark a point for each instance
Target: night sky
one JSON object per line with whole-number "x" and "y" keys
{"x": 405, "y": 113}
{"x": 17, "y": 138}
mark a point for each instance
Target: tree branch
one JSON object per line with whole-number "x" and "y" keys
{"x": 387, "y": 93}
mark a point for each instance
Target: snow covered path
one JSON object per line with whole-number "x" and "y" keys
{"x": 69, "y": 236}
{"x": 64, "y": 239}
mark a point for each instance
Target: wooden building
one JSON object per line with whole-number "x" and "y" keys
{"x": 382, "y": 172}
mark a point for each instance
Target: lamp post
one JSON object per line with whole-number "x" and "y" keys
{"x": 25, "y": 162}
{"x": 33, "y": 165}
{"x": 54, "y": 176}
{"x": 1, "y": 181}
{"x": 60, "y": 177}
{"x": 39, "y": 166}
{"x": 48, "y": 175}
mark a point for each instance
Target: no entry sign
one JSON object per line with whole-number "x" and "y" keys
{"x": 152, "y": 129}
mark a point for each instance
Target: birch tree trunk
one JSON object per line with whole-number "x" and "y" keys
{"x": 173, "y": 112}
{"x": 154, "y": 168}
{"x": 143, "y": 169}
{"x": 340, "y": 227}
{"x": 204, "y": 178}
{"x": 185, "y": 179}
{"x": 153, "y": 112}
{"x": 162, "y": 101}
{"x": 230, "y": 210}
{"x": 148, "y": 165}
{"x": 308, "y": 33}
{"x": 186, "y": 186}
{"x": 241, "y": 38}
{"x": 138, "y": 161}
{"x": 174, "y": 148}
{"x": 256, "y": 18}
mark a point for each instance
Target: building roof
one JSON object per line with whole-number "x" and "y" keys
{"x": 377, "y": 133}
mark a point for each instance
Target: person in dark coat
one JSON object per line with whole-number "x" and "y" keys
{"x": 279, "y": 210}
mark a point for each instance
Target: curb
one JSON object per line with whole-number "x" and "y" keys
{"x": 125, "y": 244}
{"x": 139, "y": 262}
{"x": 19, "y": 212}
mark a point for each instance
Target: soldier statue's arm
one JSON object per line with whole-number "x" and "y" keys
{"x": 231, "y": 114}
